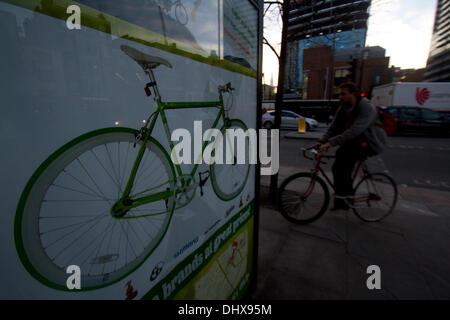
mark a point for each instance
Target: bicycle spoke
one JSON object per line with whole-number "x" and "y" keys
{"x": 74, "y": 190}
{"x": 76, "y": 200}
{"x": 74, "y": 224}
{"x": 140, "y": 224}
{"x": 109, "y": 243}
{"x": 127, "y": 243}
{"x": 298, "y": 202}
{"x": 90, "y": 177}
{"x": 90, "y": 243}
{"x": 100, "y": 245}
{"x": 73, "y": 242}
{"x": 150, "y": 222}
{"x": 118, "y": 249}
{"x": 101, "y": 164}
{"x": 113, "y": 170}
{"x": 136, "y": 234}
{"x": 125, "y": 167}
{"x": 70, "y": 175}
{"x": 83, "y": 224}
{"x": 379, "y": 194}
{"x": 65, "y": 217}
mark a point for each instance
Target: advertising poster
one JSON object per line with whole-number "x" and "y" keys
{"x": 109, "y": 188}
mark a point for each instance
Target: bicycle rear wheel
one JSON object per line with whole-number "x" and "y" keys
{"x": 375, "y": 197}
{"x": 303, "y": 198}
{"x": 64, "y": 214}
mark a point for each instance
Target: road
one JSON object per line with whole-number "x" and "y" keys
{"x": 411, "y": 160}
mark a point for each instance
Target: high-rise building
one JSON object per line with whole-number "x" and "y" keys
{"x": 339, "y": 24}
{"x": 438, "y": 66}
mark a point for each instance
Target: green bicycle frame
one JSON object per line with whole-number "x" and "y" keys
{"x": 160, "y": 111}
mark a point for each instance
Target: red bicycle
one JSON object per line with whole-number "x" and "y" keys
{"x": 304, "y": 197}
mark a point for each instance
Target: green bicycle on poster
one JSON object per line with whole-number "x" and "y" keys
{"x": 104, "y": 200}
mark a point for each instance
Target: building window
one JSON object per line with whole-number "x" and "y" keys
{"x": 341, "y": 73}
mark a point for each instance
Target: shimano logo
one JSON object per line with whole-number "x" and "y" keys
{"x": 185, "y": 247}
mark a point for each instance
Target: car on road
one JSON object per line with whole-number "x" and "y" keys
{"x": 419, "y": 120}
{"x": 289, "y": 120}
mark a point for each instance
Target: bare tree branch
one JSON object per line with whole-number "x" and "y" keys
{"x": 270, "y": 46}
{"x": 267, "y": 9}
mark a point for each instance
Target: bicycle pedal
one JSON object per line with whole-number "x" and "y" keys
{"x": 202, "y": 181}
{"x": 167, "y": 200}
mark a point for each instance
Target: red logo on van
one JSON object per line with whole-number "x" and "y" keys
{"x": 422, "y": 95}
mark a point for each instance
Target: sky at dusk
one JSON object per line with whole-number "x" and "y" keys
{"x": 403, "y": 27}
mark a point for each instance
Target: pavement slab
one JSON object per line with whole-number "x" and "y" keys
{"x": 328, "y": 258}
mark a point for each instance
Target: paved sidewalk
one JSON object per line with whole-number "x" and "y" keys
{"x": 328, "y": 259}
{"x": 315, "y": 134}
{"x": 309, "y": 135}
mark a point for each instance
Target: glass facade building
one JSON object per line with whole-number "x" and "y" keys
{"x": 340, "y": 24}
{"x": 438, "y": 66}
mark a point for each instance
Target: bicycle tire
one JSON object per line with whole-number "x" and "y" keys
{"x": 366, "y": 188}
{"x": 292, "y": 192}
{"x": 235, "y": 175}
{"x": 181, "y": 14}
{"x": 49, "y": 210}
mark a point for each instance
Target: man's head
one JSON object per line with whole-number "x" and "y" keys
{"x": 348, "y": 93}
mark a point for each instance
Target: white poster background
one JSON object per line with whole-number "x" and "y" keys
{"x": 57, "y": 84}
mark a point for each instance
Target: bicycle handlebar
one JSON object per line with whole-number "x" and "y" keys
{"x": 314, "y": 151}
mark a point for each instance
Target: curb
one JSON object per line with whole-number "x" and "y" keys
{"x": 306, "y": 136}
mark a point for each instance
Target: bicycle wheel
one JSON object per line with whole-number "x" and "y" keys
{"x": 181, "y": 14}
{"x": 64, "y": 214}
{"x": 375, "y": 197}
{"x": 302, "y": 199}
{"x": 228, "y": 180}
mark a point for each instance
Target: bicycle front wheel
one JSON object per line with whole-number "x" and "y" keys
{"x": 375, "y": 197}
{"x": 228, "y": 180}
{"x": 64, "y": 215}
{"x": 303, "y": 198}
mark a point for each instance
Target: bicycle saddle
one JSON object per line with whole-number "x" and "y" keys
{"x": 144, "y": 60}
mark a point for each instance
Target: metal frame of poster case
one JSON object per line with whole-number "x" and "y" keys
{"x": 259, "y": 6}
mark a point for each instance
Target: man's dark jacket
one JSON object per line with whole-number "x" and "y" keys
{"x": 366, "y": 123}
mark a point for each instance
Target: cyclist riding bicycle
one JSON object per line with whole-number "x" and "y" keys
{"x": 355, "y": 129}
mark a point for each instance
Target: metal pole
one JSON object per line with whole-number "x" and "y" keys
{"x": 280, "y": 87}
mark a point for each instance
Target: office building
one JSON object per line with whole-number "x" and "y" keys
{"x": 438, "y": 66}
{"x": 338, "y": 24}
